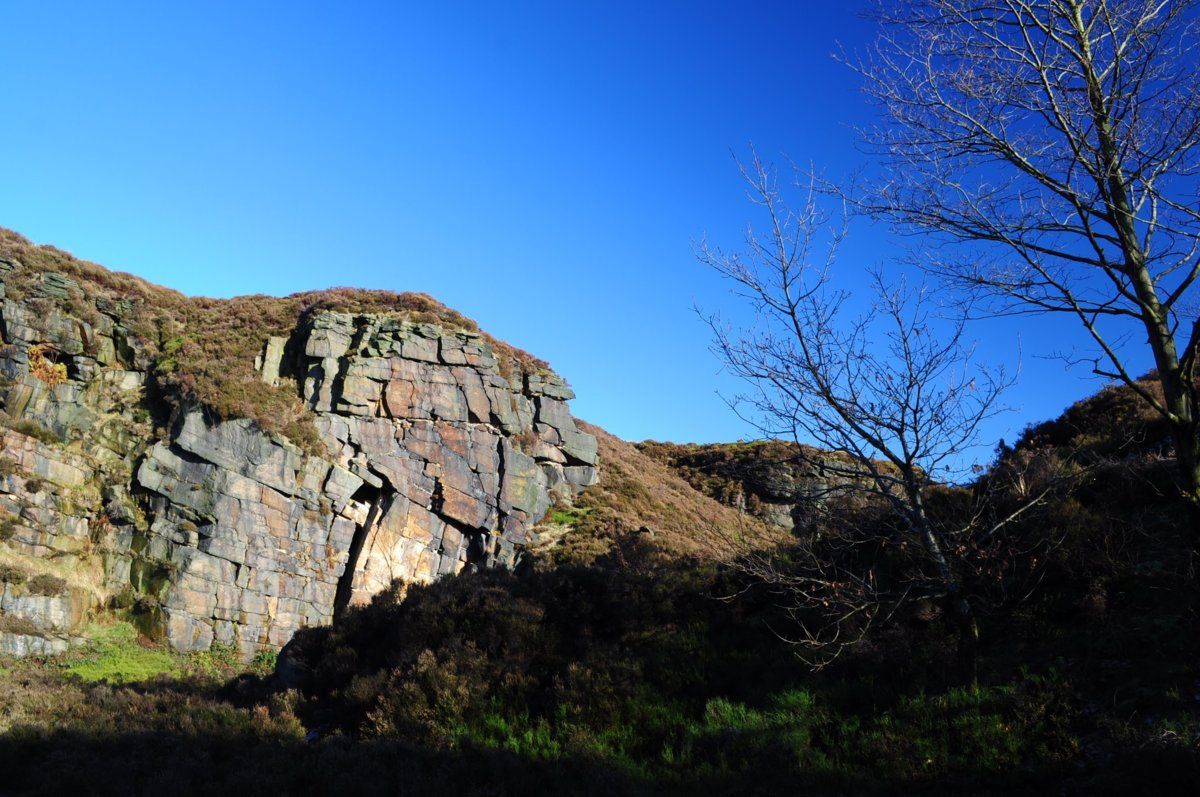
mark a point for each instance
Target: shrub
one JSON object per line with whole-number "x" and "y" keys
{"x": 17, "y": 625}
{"x": 13, "y": 575}
{"x": 43, "y": 364}
{"x": 219, "y": 660}
{"x": 8, "y": 527}
{"x": 264, "y": 662}
{"x": 45, "y": 584}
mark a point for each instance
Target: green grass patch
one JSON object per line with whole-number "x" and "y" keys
{"x": 796, "y": 733}
{"x": 119, "y": 654}
{"x": 568, "y": 516}
{"x": 218, "y": 661}
{"x": 115, "y": 655}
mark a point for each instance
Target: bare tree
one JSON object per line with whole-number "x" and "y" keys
{"x": 1057, "y": 140}
{"x": 892, "y": 393}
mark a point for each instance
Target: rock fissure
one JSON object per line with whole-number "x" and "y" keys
{"x": 376, "y": 499}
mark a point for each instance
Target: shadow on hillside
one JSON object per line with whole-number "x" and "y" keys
{"x": 73, "y": 762}
{"x": 169, "y": 765}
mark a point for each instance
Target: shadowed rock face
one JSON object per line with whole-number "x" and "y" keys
{"x": 436, "y": 460}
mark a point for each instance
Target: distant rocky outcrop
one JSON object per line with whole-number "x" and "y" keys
{"x": 120, "y": 489}
{"x": 782, "y": 483}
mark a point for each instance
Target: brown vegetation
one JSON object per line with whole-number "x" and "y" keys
{"x": 1084, "y": 664}
{"x": 43, "y": 366}
{"x": 46, "y": 584}
{"x": 637, "y": 491}
{"x": 713, "y": 468}
{"x": 735, "y": 473}
{"x": 1115, "y": 422}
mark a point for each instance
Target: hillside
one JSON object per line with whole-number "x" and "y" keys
{"x": 779, "y": 482}
{"x": 455, "y": 585}
{"x": 639, "y": 493}
{"x": 638, "y": 669}
{"x": 627, "y": 658}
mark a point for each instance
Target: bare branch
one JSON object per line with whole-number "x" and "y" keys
{"x": 1055, "y": 144}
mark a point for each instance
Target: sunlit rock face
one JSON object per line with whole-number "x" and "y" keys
{"x": 437, "y": 458}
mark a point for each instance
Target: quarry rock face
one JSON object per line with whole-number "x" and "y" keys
{"x": 437, "y": 457}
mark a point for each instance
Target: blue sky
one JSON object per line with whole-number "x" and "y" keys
{"x": 541, "y": 167}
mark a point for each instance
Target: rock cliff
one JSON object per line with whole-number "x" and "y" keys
{"x": 429, "y": 447}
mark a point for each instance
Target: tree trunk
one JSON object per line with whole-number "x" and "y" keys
{"x": 966, "y": 625}
{"x": 1187, "y": 456}
{"x": 958, "y": 609}
{"x": 1188, "y": 452}
{"x": 1179, "y": 393}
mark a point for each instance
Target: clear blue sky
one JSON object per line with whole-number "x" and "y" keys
{"x": 541, "y": 167}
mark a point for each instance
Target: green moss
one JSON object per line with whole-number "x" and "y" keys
{"x": 149, "y": 577}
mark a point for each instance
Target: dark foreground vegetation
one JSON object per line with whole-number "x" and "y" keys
{"x": 621, "y": 663}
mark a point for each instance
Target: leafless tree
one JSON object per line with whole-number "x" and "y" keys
{"x": 1055, "y": 143}
{"x": 891, "y": 395}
